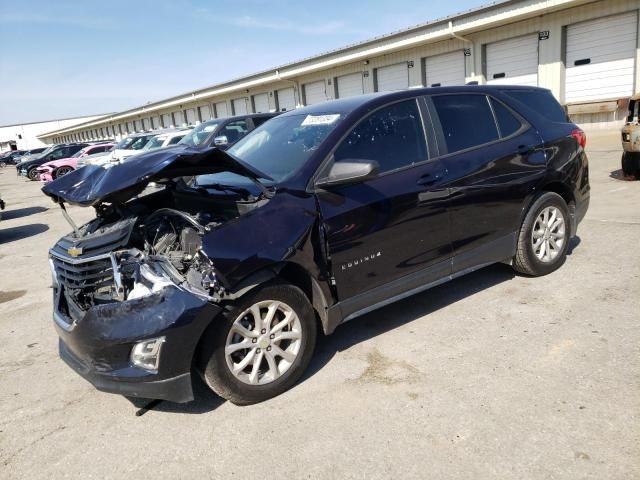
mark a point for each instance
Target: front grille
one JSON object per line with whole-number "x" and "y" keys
{"x": 90, "y": 273}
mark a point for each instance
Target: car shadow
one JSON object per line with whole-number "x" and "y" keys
{"x": 362, "y": 329}
{"x": 8, "y": 235}
{"x": 619, "y": 175}
{"x": 403, "y": 312}
{"x": 204, "y": 401}
{"x": 22, "y": 212}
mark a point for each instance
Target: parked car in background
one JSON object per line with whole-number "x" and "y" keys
{"x": 2, "y": 205}
{"x": 224, "y": 132}
{"x": 29, "y": 168}
{"x": 131, "y": 145}
{"x": 165, "y": 139}
{"x": 318, "y": 216}
{"x": 10, "y": 157}
{"x": 29, "y": 153}
{"x": 57, "y": 168}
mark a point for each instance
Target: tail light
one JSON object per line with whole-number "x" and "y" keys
{"x": 580, "y": 137}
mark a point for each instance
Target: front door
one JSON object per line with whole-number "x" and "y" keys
{"x": 388, "y": 227}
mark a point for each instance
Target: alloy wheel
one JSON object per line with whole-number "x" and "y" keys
{"x": 62, "y": 171}
{"x": 548, "y": 234}
{"x": 263, "y": 342}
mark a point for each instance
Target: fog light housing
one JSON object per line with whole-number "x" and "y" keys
{"x": 146, "y": 354}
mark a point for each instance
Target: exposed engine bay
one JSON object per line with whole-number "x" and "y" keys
{"x": 136, "y": 249}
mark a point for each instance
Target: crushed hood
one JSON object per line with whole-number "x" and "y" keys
{"x": 95, "y": 184}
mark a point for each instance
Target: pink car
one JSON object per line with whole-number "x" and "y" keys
{"x": 52, "y": 170}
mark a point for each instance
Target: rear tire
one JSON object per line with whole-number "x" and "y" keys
{"x": 544, "y": 236}
{"x": 630, "y": 164}
{"x": 280, "y": 343}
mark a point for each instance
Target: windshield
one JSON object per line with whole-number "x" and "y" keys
{"x": 155, "y": 142}
{"x": 124, "y": 143}
{"x": 198, "y": 134}
{"x": 282, "y": 145}
{"x": 79, "y": 152}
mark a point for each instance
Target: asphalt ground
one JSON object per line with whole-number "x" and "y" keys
{"x": 493, "y": 375}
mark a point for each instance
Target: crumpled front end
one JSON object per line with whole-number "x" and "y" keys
{"x": 128, "y": 321}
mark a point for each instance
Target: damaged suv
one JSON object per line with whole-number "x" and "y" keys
{"x": 231, "y": 264}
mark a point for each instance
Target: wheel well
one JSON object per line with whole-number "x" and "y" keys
{"x": 298, "y": 276}
{"x": 561, "y": 189}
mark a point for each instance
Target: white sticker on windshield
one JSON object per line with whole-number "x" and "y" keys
{"x": 320, "y": 119}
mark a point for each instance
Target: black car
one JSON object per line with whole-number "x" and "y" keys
{"x": 224, "y": 132}
{"x": 9, "y": 158}
{"x": 29, "y": 168}
{"x": 318, "y": 216}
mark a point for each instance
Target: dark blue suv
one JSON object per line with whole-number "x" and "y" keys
{"x": 316, "y": 217}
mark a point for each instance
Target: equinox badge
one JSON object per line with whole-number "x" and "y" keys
{"x": 359, "y": 261}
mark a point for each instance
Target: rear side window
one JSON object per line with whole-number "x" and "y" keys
{"x": 507, "y": 121}
{"x": 466, "y": 120}
{"x": 392, "y": 136}
{"x": 174, "y": 140}
{"x": 543, "y": 102}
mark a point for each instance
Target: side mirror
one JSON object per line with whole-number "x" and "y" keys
{"x": 348, "y": 171}
{"x": 221, "y": 141}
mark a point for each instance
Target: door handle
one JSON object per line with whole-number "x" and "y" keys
{"x": 429, "y": 179}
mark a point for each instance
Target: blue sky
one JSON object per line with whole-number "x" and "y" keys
{"x": 66, "y": 58}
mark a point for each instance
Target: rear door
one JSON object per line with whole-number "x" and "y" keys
{"x": 493, "y": 160}
{"x": 396, "y": 224}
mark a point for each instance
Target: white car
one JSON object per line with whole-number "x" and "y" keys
{"x": 165, "y": 139}
{"x": 131, "y": 145}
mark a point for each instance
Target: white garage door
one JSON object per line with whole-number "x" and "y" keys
{"x": 601, "y": 58}
{"x": 205, "y": 113}
{"x": 191, "y": 116}
{"x": 350, "y": 85}
{"x": 221, "y": 110}
{"x": 146, "y": 123}
{"x": 393, "y": 77}
{"x": 261, "y": 103}
{"x": 286, "y": 99}
{"x": 240, "y": 106}
{"x": 166, "y": 120}
{"x": 314, "y": 92}
{"x": 445, "y": 70}
{"x": 513, "y": 61}
{"x": 155, "y": 122}
{"x": 178, "y": 118}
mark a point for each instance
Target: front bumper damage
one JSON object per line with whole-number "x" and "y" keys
{"x": 97, "y": 342}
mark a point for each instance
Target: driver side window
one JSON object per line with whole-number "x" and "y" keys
{"x": 392, "y": 136}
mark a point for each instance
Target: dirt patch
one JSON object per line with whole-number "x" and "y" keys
{"x": 387, "y": 371}
{"x": 12, "y": 295}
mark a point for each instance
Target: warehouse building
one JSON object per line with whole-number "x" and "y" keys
{"x": 24, "y": 136}
{"x": 584, "y": 51}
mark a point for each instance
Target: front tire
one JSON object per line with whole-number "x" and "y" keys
{"x": 260, "y": 345}
{"x": 32, "y": 174}
{"x": 630, "y": 164}
{"x": 544, "y": 236}
{"x": 60, "y": 172}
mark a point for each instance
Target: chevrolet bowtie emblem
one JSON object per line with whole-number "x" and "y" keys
{"x": 74, "y": 251}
